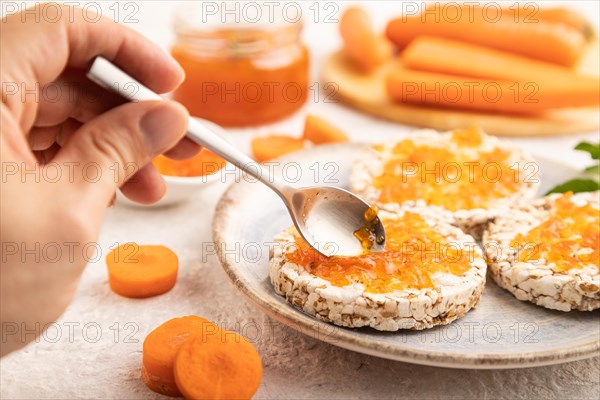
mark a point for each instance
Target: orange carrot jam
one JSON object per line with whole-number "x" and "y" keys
{"x": 241, "y": 77}
{"x": 413, "y": 253}
{"x": 365, "y": 234}
{"x": 467, "y": 137}
{"x": 456, "y": 177}
{"x": 204, "y": 163}
{"x": 562, "y": 238}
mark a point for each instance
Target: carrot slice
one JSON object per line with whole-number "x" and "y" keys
{"x": 364, "y": 47}
{"x": 269, "y": 147}
{"x": 436, "y": 54}
{"x": 442, "y": 90}
{"x": 141, "y": 270}
{"x": 545, "y": 40}
{"x": 319, "y": 131}
{"x": 161, "y": 347}
{"x": 224, "y": 366}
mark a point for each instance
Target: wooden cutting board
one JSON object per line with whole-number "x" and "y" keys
{"x": 367, "y": 93}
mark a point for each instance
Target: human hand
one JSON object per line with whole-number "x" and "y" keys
{"x": 63, "y": 156}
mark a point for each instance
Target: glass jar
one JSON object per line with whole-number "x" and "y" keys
{"x": 242, "y": 73}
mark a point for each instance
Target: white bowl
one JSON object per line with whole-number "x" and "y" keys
{"x": 181, "y": 188}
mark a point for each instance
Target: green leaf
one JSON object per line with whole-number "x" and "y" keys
{"x": 576, "y": 186}
{"x": 593, "y": 170}
{"x": 593, "y": 149}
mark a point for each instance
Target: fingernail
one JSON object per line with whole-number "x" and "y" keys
{"x": 163, "y": 126}
{"x": 182, "y": 71}
{"x": 174, "y": 61}
{"x": 182, "y": 77}
{"x": 111, "y": 203}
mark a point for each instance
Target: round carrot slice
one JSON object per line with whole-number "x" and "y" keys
{"x": 161, "y": 346}
{"x": 319, "y": 131}
{"x": 223, "y": 366}
{"x": 141, "y": 271}
{"x": 268, "y": 147}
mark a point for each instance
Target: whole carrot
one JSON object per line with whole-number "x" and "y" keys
{"x": 518, "y": 97}
{"x": 531, "y": 12}
{"x": 366, "y": 49}
{"x": 453, "y": 57}
{"x": 544, "y": 40}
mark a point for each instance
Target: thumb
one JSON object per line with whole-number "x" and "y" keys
{"x": 107, "y": 150}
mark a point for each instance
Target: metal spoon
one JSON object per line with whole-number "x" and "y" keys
{"x": 326, "y": 217}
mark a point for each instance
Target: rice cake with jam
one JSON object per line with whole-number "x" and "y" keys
{"x": 430, "y": 274}
{"x": 466, "y": 175}
{"x": 546, "y": 251}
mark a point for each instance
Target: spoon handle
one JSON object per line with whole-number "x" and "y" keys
{"x": 109, "y": 76}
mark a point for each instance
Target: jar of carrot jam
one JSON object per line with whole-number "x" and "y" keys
{"x": 242, "y": 73}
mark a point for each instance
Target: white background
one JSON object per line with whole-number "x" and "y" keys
{"x": 75, "y": 365}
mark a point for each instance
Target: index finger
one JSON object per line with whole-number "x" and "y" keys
{"x": 46, "y": 46}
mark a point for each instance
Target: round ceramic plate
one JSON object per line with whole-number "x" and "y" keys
{"x": 502, "y": 332}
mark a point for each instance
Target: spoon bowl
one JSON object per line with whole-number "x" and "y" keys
{"x": 329, "y": 219}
